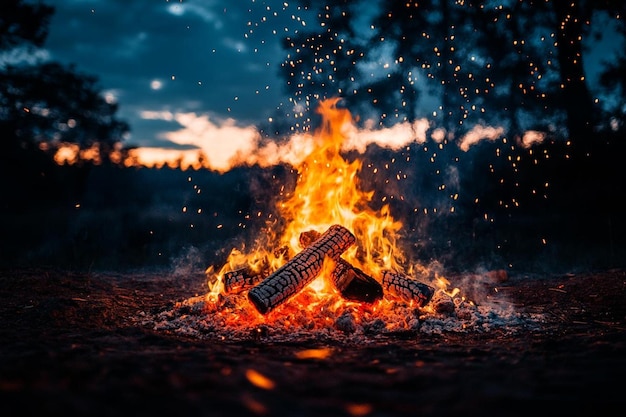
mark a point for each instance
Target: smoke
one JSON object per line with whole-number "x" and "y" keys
{"x": 188, "y": 262}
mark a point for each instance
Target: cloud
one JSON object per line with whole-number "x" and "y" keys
{"x": 479, "y": 133}
{"x": 395, "y": 137}
{"x": 222, "y": 142}
{"x": 203, "y": 11}
{"x": 531, "y": 137}
{"x": 234, "y": 44}
{"x": 225, "y": 144}
{"x": 22, "y": 55}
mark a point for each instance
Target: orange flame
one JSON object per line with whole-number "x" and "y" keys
{"x": 327, "y": 192}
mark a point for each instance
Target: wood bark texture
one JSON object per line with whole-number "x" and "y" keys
{"x": 407, "y": 288}
{"x": 301, "y": 270}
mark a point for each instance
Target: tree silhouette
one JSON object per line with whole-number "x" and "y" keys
{"x": 45, "y": 104}
{"x": 613, "y": 79}
{"x": 42, "y": 107}
{"x": 23, "y": 24}
{"x": 518, "y": 63}
{"x": 51, "y": 104}
{"x": 321, "y": 64}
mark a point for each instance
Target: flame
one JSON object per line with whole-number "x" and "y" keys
{"x": 327, "y": 192}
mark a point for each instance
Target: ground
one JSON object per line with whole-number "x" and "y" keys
{"x": 71, "y": 345}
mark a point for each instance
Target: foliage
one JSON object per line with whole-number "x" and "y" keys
{"x": 515, "y": 63}
{"x": 23, "y": 23}
{"x": 44, "y": 106}
{"x": 52, "y": 103}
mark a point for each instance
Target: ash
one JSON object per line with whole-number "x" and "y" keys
{"x": 231, "y": 318}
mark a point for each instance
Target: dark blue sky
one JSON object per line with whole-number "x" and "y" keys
{"x": 157, "y": 58}
{"x": 177, "y": 68}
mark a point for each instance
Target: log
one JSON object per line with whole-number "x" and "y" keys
{"x": 247, "y": 277}
{"x": 244, "y": 278}
{"x": 351, "y": 282}
{"x": 354, "y": 284}
{"x": 301, "y": 270}
{"x": 307, "y": 238}
{"x": 407, "y": 288}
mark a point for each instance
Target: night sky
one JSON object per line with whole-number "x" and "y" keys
{"x": 177, "y": 67}
{"x": 161, "y": 58}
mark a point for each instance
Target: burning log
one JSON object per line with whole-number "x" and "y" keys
{"x": 247, "y": 277}
{"x": 407, "y": 288}
{"x": 243, "y": 278}
{"x": 355, "y": 284}
{"x": 298, "y": 272}
{"x": 350, "y": 281}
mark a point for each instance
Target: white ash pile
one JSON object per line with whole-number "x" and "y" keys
{"x": 231, "y": 317}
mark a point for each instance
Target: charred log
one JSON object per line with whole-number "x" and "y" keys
{"x": 298, "y": 272}
{"x": 354, "y": 284}
{"x": 407, "y": 288}
{"x": 350, "y": 281}
{"x": 247, "y": 277}
{"x": 244, "y": 278}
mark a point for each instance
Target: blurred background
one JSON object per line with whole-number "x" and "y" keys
{"x": 133, "y": 136}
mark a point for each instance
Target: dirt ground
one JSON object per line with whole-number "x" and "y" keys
{"x": 70, "y": 346}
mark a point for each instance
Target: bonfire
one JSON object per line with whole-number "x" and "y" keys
{"x": 336, "y": 264}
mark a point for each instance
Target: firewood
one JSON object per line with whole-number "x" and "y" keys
{"x": 351, "y": 282}
{"x": 407, "y": 288}
{"x": 306, "y": 238}
{"x": 243, "y": 278}
{"x": 301, "y": 270}
{"x": 354, "y": 284}
{"x": 247, "y": 277}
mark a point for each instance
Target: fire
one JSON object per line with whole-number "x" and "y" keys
{"x": 327, "y": 192}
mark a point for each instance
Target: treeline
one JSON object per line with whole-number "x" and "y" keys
{"x": 518, "y": 64}
{"x": 44, "y": 105}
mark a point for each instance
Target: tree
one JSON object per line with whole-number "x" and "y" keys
{"x": 516, "y": 63}
{"x": 51, "y": 104}
{"x": 45, "y": 104}
{"x": 322, "y": 64}
{"x": 23, "y": 23}
{"x": 613, "y": 79}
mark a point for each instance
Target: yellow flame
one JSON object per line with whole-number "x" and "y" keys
{"x": 327, "y": 192}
